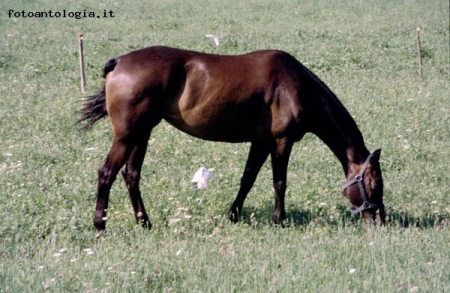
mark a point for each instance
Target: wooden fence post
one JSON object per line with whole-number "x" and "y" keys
{"x": 81, "y": 62}
{"x": 419, "y": 52}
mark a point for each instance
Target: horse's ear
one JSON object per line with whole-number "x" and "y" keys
{"x": 375, "y": 159}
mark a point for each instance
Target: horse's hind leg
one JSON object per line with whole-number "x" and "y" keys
{"x": 107, "y": 173}
{"x": 256, "y": 158}
{"x": 131, "y": 172}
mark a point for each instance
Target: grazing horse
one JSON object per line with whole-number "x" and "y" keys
{"x": 267, "y": 98}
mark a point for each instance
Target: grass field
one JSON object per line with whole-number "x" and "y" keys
{"x": 365, "y": 50}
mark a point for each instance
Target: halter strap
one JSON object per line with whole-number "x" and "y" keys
{"x": 358, "y": 179}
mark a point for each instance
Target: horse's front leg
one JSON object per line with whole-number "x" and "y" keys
{"x": 257, "y": 156}
{"x": 280, "y": 160}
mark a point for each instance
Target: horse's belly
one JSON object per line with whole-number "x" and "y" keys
{"x": 220, "y": 125}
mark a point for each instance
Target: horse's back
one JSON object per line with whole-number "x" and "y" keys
{"x": 214, "y": 97}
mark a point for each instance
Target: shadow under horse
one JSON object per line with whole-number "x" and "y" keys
{"x": 265, "y": 97}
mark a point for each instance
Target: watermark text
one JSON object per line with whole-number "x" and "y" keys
{"x": 61, "y": 14}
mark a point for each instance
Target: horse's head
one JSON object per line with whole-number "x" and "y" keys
{"x": 364, "y": 189}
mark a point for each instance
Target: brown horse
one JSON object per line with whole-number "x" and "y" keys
{"x": 265, "y": 97}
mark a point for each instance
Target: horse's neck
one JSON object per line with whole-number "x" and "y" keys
{"x": 339, "y": 132}
{"x": 347, "y": 146}
{"x": 334, "y": 125}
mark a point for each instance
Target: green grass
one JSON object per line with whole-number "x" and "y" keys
{"x": 364, "y": 50}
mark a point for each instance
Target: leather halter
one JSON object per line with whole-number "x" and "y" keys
{"x": 359, "y": 179}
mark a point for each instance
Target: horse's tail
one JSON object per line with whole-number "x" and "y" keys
{"x": 94, "y": 107}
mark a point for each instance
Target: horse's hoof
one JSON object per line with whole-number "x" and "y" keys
{"x": 278, "y": 219}
{"x": 100, "y": 225}
{"x": 146, "y": 224}
{"x": 233, "y": 215}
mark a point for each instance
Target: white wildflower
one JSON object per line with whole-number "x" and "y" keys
{"x": 173, "y": 221}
